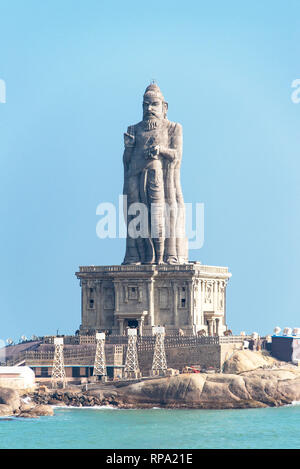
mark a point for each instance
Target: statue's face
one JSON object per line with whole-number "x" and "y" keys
{"x": 153, "y": 108}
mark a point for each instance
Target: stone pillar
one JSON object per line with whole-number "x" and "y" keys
{"x": 117, "y": 295}
{"x": 204, "y": 291}
{"x": 217, "y": 327}
{"x": 125, "y": 290}
{"x": 98, "y": 304}
{"x": 201, "y": 301}
{"x": 209, "y": 327}
{"x": 140, "y": 292}
{"x": 196, "y": 301}
{"x": 150, "y": 285}
{"x": 121, "y": 326}
{"x": 215, "y": 294}
{"x": 224, "y": 303}
{"x": 191, "y": 303}
{"x": 140, "y": 326}
{"x": 175, "y": 303}
{"x": 83, "y": 303}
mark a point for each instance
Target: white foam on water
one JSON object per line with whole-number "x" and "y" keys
{"x": 26, "y": 399}
{"x": 96, "y": 407}
{"x": 294, "y": 403}
{"x": 100, "y": 407}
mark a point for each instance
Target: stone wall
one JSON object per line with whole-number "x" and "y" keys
{"x": 204, "y": 356}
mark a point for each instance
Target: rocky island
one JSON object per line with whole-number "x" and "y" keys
{"x": 157, "y": 292}
{"x": 250, "y": 379}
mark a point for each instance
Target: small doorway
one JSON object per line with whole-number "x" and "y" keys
{"x": 132, "y": 323}
{"x": 110, "y": 371}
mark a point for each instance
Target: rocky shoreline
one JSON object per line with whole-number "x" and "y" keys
{"x": 249, "y": 380}
{"x": 14, "y": 405}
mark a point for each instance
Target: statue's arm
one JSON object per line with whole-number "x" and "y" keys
{"x": 127, "y": 157}
{"x": 174, "y": 151}
{"x": 129, "y": 142}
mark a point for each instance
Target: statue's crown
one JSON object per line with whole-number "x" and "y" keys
{"x": 154, "y": 90}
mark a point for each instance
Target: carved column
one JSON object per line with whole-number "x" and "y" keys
{"x": 224, "y": 303}
{"x": 125, "y": 291}
{"x": 140, "y": 292}
{"x": 205, "y": 292}
{"x": 215, "y": 294}
{"x": 214, "y": 327}
{"x": 83, "y": 303}
{"x": 191, "y": 303}
{"x": 217, "y": 327}
{"x": 175, "y": 302}
{"x": 117, "y": 295}
{"x": 98, "y": 305}
{"x": 201, "y": 300}
{"x": 195, "y": 301}
{"x": 150, "y": 285}
{"x": 121, "y": 326}
{"x": 209, "y": 327}
{"x": 140, "y": 326}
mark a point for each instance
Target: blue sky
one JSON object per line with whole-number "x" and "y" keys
{"x": 75, "y": 74}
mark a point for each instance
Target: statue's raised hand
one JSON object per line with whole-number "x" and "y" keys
{"x": 129, "y": 140}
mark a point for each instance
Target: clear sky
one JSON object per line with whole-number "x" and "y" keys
{"x": 75, "y": 73}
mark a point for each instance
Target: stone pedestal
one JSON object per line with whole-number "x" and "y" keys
{"x": 184, "y": 298}
{"x": 158, "y": 373}
{"x": 132, "y": 375}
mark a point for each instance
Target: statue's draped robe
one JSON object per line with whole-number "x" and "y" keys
{"x": 156, "y": 183}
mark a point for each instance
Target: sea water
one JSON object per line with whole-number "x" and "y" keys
{"x": 155, "y": 429}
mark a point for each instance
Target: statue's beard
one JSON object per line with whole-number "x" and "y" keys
{"x": 152, "y": 123}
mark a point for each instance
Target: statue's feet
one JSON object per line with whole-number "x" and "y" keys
{"x": 131, "y": 262}
{"x": 160, "y": 261}
{"x": 171, "y": 260}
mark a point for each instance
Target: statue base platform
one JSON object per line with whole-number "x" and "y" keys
{"x": 184, "y": 298}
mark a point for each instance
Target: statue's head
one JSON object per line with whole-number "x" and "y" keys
{"x": 154, "y": 105}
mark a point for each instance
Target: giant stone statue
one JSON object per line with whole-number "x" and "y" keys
{"x": 185, "y": 297}
{"x": 152, "y": 159}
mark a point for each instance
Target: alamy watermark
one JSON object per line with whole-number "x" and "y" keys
{"x": 159, "y": 220}
{"x": 2, "y": 91}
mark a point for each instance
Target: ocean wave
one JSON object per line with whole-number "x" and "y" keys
{"x": 294, "y": 403}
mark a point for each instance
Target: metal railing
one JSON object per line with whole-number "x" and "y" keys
{"x": 142, "y": 268}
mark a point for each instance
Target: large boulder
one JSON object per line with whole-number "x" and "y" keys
{"x": 5, "y": 410}
{"x": 37, "y": 411}
{"x": 247, "y": 360}
{"x": 27, "y": 406}
{"x": 189, "y": 390}
{"x": 11, "y": 404}
{"x": 220, "y": 391}
{"x": 10, "y": 397}
{"x": 41, "y": 410}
